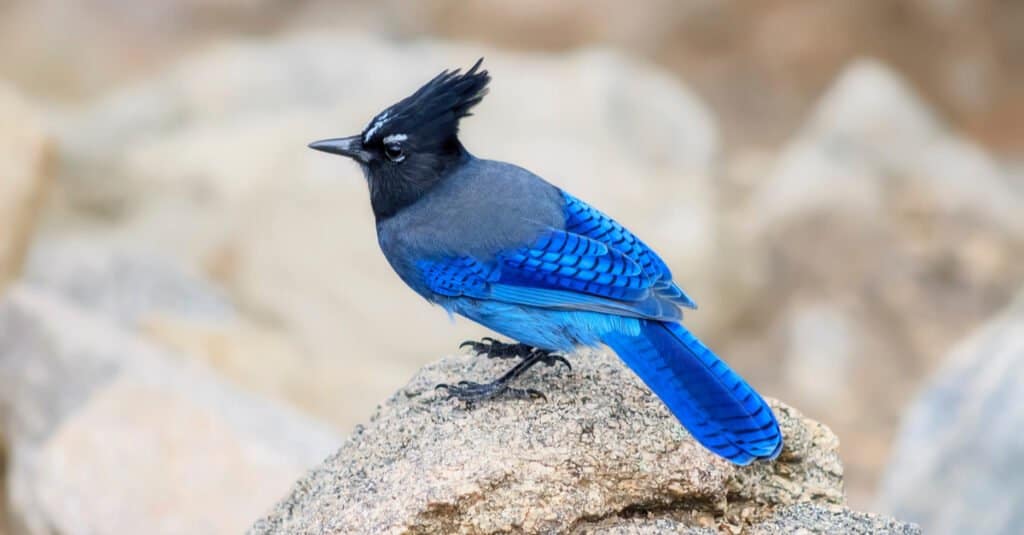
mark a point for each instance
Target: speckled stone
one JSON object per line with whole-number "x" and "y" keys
{"x": 600, "y": 455}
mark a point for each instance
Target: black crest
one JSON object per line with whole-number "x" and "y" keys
{"x": 433, "y": 112}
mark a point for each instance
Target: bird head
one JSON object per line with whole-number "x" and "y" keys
{"x": 410, "y": 146}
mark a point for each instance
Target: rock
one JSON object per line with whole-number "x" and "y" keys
{"x": 128, "y": 285}
{"x": 600, "y": 455}
{"x": 26, "y": 151}
{"x": 105, "y": 434}
{"x": 152, "y": 295}
{"x": 209, "y": 160}
{"x": 267, "y": 361}
{"x": 816, "y": 518}
{"x": 803, "y": 518}
{"x": 821, "y": 377}
{"x": 860, "y": 242}
{"x": 956, "y": 464}
{"x": 868, "y": 130}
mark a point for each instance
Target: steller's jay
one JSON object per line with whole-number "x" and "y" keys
{"x": 503, "y": 247}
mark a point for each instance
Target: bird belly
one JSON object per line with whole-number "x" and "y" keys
{"x": 556, "y": 330}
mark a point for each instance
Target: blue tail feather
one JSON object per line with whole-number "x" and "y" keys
{"x": 713, "y": 402}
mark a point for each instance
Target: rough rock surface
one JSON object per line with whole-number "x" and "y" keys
{"x": 956, "y": 466}
{"x": 807, "y": 518}
{"x": 25, "y": 168}
{"x": 105, "y": 435}
{"x": 600, "y": 455}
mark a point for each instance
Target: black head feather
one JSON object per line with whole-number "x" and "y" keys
{"x": 413, "y": 145}
{"x": 432, "y": 113}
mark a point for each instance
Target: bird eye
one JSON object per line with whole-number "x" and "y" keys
{"x": 394, "y": 152}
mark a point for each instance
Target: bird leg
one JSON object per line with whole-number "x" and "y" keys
{"x": 470, "y": 392}
{"x": 493, "y": 349}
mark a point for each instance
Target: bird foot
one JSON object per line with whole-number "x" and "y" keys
{"x": 491, "y": 348}
{"x": 470, "y": 392}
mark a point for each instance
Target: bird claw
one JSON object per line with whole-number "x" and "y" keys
{"x": 479, "y": 347}
{"x": 551, "y": 360}
{"x": 491, "y": 348}
{"x": 470, "y": 392}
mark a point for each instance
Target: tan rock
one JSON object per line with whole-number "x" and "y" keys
{"x": 26, "y": 152}
{"x": 869, "y": 132}
{"x": 600, "y": 455}
{"x": 107, "y": 435}
{"x": 267, "y": 361}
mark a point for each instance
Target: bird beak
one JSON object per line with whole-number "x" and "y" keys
{"x": 346, "y": 146}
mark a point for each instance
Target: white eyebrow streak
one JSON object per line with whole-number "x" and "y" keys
{"x": 395, "y": 138}
{"x": 379, "y": 122}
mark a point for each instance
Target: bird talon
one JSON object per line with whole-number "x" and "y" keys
{"x": 552, "y": 360}
{"x": 563, "y": 360}
{"x": 471, "y": 393}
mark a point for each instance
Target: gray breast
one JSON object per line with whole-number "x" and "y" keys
{"x": 483, "y": 208}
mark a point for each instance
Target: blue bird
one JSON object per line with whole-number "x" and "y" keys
{"x": 501, "y": 246}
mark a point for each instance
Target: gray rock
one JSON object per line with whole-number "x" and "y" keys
{"x": 123, "y": 283}
{"x": 808, "y": 518}
{"x": 805, "y": 518}
{"x": 956, "y": 466}
{"x": 170, "y": 305}
{"x": 870, "y": 129}
{"x": 600, "y": 455}
{"x": 641, "y": 526}
{"x": 105, "y": 434}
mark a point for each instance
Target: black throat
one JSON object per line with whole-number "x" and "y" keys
{"x": 395, "y": 188}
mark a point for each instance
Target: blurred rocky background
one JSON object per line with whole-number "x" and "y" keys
{"x": 839, "y": 184}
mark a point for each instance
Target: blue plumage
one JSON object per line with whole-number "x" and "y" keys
{"x": 499, "y": 245}
{"x": 713, "y": 402}
{"x": 583, "y": 219}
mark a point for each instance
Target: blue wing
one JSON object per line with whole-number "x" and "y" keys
{"x": 560, "y": 270}
{"x": 585, "y": 220}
